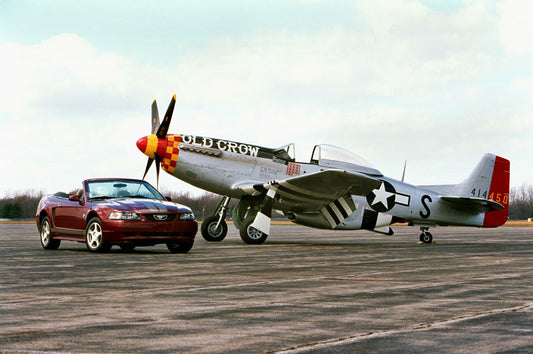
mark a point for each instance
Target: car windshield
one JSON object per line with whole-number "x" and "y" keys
{"x": 117, "y": 188}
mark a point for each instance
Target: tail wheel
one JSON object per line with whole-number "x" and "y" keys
{"x": 94, "y": 237}
{"x": 47, "y": 241}
{"x": 426, "y": 237}
{"x": 211, "y": 232}
{"x": 251, "y": 235}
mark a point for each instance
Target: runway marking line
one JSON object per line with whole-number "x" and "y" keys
{"x": 418, "y": 327}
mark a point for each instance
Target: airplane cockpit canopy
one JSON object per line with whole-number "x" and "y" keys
{"x": 336, "y": 157}
{"x": 286, "y": 152}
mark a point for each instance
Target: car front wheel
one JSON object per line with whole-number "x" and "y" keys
{"x": 94, "y": 237}
{"x": 47, "y": 241}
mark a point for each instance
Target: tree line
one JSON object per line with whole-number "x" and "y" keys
{"x": 24, "y": 204}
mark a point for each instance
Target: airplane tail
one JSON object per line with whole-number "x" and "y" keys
{"x": 490, "y": 180}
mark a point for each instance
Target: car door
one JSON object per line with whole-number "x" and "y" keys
{"x": 70, "y": 217}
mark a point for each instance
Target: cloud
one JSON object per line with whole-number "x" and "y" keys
{"x": 401, "y": 81}
{"x": 64, "y": 75}
{"x": 516, "y": 26}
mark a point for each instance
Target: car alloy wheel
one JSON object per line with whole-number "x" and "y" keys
{"x": 46, "y": 235}
{"x": 94, "y": 237}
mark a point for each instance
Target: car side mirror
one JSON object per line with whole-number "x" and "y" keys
{"x": 168, "y": 199}
{"x": 74, "y": 198}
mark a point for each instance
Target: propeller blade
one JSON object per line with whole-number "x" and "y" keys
{"x": 155, "y": 117}
{"x": 148, "y": 164}
{"x": 157, "y": 160}
{"x": 163, "y": 128}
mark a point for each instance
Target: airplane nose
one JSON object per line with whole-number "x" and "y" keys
{"x": 150, "y": 145}
{"x": 142, "y": 143}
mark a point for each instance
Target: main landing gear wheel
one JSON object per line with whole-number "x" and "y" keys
{"x": 47, "y": 241}
{"x": 211, "y": 232}
{"x": 94, "y": 237}
{"x": 251, "y": 235}
{"x": 426, "y": 237}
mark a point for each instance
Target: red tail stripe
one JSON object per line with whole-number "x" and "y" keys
{"x": 499, "y": 192}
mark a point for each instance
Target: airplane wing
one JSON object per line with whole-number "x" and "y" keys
{"x": 325, "y": 186}
{"x": 316, "y": 189}
{"x": 325, "y": 191}
{"x": 478, "y": 205}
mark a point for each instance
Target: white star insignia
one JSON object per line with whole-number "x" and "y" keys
{"x": 381, "y": 196}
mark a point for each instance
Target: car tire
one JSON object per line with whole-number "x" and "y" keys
{"x": 210, "y": 232}
{"x": 251, "y": 235}
{"x": 94, "y": 237}
{"x": 47, "y": 241}
{"x": 180, "y": 247}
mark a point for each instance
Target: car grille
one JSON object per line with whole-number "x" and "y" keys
{"x": 160, "y": 217}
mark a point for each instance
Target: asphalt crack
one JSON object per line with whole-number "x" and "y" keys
{"x": 418, "y": 327}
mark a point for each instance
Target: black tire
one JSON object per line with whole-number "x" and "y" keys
{"x": 47, "y": 241}
{"x": 210, "y": 232}
{"x": 251, "y": 235}
{"x": 426, "y": 237}
{"x": 94, "y": 237}
{"x": 180, "y": 247}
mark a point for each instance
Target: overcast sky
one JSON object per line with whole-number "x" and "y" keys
{"x": 436, "y": 83}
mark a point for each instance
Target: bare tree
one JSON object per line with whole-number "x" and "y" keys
{"x": 21, "y": 205}
{"x": 521, "y": 202}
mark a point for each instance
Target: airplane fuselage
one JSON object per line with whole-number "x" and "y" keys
{"x": 222, "y": 167}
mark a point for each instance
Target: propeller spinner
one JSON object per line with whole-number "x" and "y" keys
{"x": 154, "y": 145}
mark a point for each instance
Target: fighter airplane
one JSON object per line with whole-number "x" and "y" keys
{"x": 335, "y": 189}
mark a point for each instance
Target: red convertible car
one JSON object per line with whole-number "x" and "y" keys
{"x": 115, "y": 211}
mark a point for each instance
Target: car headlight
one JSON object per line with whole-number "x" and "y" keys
{"x": 118, "y": 215}
{"x": 187, "y": 216}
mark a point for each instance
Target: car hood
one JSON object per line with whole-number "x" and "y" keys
{"x": 144, "y": 206}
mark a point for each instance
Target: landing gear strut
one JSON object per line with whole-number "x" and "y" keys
{"x": 425, "y": 236}
{"x": 214, "y": 228}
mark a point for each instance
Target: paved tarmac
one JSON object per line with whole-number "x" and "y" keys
{"x": 304, "y": 290}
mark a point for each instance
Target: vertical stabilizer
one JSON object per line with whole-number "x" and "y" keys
{"x": 499, "y": 192}
{"x": 490, "y": 180}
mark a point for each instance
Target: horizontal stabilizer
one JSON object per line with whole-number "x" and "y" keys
{"x": 478, "y": 205}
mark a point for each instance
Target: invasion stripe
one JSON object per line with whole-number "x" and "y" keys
{"x": 342, "y": 210}
{"x": 332, "y": 214}
{"x": 348, "y": 204}
{"x": 328, "y": 217}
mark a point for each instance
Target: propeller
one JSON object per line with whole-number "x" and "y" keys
{"x": 163, "y": 128}
{"x": 160, "y": 130}
{"x": 155, "y": 117}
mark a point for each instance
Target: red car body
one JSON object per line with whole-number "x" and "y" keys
{"x": 104, "y": 213}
